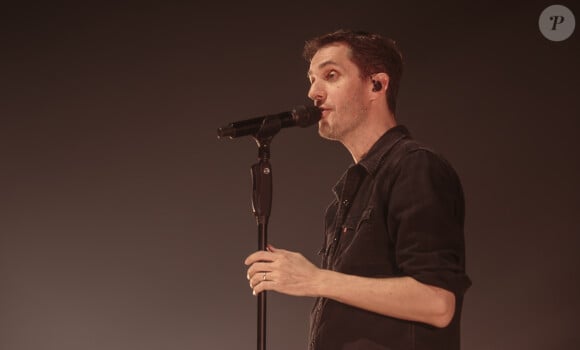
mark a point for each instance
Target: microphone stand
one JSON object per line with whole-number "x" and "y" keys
{"x": 262, "y": 204}
{"x": 262, "y": 176}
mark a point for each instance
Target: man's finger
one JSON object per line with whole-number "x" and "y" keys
{"x": 258, "y": 267}
{"x": 260, "y": 255}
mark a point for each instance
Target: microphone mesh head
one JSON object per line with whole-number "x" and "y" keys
{"x": 305, "y": 116}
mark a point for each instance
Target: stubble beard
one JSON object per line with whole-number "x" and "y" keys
{"x": 325, "y": 131}
{"x": 341, "y": 127}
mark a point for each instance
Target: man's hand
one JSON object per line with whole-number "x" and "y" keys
{"x": 282, "y": 271}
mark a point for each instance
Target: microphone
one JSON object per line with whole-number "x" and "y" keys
{"x": 300, "y": 116}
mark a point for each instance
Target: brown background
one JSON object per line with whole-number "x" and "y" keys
{"x": 124, "y": 222}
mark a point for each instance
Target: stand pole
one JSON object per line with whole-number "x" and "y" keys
{"x": 262, "y": 206}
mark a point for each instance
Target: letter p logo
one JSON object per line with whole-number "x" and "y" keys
{"x": 556, "y": 20}
{"x": 557, "y": 23}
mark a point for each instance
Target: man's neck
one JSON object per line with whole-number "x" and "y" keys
{"x": 359, "y": 143}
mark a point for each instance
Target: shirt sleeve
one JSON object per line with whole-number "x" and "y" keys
{"x": 425, "y": 217}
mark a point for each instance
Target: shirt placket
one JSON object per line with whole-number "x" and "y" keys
{"x": 349, "y": 188}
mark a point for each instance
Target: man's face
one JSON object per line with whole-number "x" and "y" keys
{"x": 338, "y": 89}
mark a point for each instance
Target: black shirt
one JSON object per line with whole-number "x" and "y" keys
{"x": 397, "y": 212}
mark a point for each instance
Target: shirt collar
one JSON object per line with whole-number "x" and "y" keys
{"x": 374, "y": 157}
{"x": 381, "y": 148}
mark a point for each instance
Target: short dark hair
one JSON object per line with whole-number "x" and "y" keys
{"x": 371, "y": 53}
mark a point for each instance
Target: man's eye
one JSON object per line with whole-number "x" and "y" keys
{"x": 331, "y": 75}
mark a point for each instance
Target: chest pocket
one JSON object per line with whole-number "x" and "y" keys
{"x": 356, "y": 229}
{"x": 354, "y": 224}
{"x": 363, "y": 245}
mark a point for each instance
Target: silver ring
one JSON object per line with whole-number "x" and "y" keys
{"x": 264, "y": 277}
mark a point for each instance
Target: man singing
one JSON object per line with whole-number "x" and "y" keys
{"x": 393, "y": 260}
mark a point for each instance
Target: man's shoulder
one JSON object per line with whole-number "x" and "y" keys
{"x": 408, "y": 149}
{"x": 412, "y": 155}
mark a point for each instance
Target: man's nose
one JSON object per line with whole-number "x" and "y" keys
{"x": 316, "y": 92}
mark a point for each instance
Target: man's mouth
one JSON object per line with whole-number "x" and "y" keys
{"x": 325, "y": 111}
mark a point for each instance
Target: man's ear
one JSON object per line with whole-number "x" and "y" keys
{"x": 380, "y": 82}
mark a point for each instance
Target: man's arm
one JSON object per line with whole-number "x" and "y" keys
{"x": 400, "y": 297}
